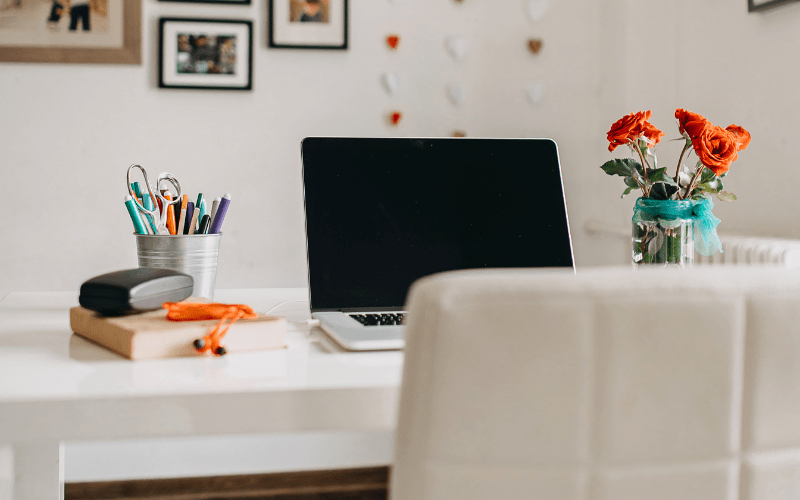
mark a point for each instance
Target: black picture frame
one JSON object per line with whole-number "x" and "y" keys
{"x": 278, "y": 21}
{"x": 178, "y": 63}
{"x": 758, "y": 6}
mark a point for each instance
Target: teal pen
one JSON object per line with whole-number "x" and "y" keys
{"x": 147, "y": 203}
{"x": 201, "y": 204}
{"x": 134, "y": 213}
{"x": 137, "y": 190}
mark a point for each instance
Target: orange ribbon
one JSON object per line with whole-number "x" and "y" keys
{"x": 227, "y": 314}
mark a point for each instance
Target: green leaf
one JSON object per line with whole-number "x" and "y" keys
{"x": 726, "y": 196}
{"x": 627, "y": 191}
{"x": 706, "y": 188}
{"x": 624, "y": 167}
{"x": 630, "y": 181}
{"x": 707, "y": 175}
{"x": 659, "y": 192}
{"x": 660, "y": 175}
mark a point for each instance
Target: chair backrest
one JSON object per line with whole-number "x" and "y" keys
{"x": 605, "y": 384}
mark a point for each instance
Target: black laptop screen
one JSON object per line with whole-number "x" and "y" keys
{"x": 381, "y": 213}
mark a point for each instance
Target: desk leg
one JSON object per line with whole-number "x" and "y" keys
{"x": 39, "y": 471}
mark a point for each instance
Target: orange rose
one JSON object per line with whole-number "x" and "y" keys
{"x": 652, "y": 134}
{"x": 742, "y": 136}
{"x": 691, "y": 124}
{"x": 717, "y": 148}
{"x": 626, "y": 128}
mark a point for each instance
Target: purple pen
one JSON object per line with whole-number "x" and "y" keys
{"x": 216, "y": 224}
{"x": 188, "y": 220}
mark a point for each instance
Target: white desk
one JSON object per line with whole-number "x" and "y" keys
{"x": 56, "y": 387}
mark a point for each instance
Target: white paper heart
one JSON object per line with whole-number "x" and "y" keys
{"x": 537, "y": 9}
{"x": 457, "y": 47}
{"x": 391, "y": 82}
{"x": 535, "y": 93}
{"x": 455, "y": 91}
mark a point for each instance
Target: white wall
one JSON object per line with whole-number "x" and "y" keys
{"x": 68, "y": 132}
{"x": 714, "y": 58}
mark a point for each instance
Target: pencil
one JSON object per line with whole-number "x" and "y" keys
{"x": 181, "y": 221}
{"x": 193, "y": 224}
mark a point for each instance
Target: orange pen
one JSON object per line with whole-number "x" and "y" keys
{"x": 170, "y": 214}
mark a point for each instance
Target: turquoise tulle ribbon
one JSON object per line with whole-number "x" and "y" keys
{"x": 706, "y": 241}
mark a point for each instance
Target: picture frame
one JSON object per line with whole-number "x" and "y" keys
{"x": 761, "y": 5}
{"x": 211, "y": 54}
{"x": 106, "y": 32}
{"x": 308, "y": 24}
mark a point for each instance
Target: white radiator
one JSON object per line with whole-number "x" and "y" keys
{"x": 737, "y": 250}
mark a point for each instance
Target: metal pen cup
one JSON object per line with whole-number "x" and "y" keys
{"x": 193, "y": 254}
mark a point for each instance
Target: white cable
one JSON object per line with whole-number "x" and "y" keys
{"x": 284, "y": 303}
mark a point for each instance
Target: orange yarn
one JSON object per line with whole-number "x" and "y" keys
{"x": 227, "y": 314}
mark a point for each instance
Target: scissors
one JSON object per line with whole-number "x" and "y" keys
{"x": 160, "y": 219}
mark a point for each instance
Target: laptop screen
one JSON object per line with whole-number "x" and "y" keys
{"x": 382, "y": 213}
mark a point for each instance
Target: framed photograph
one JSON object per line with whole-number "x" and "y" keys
{"x": 205, "y": 54}
{"x": 758, "y": 5}
{"x": 71, "y": 31}
{"x": 308, "y": 24}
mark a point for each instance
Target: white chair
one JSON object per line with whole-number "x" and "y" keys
{"x": 605, "y": 384}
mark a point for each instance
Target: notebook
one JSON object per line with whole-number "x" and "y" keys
{"x": 384, "y": 212}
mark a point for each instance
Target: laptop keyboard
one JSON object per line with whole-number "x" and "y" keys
{"x": 378, "y": 319}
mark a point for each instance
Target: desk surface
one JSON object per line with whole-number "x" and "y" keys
{"x": 78, "y": 390}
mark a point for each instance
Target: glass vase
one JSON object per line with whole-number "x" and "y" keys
{"x": 664, "y": 242}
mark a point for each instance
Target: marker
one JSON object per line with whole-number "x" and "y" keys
{"x": 189, "y": 213}
{"x": 170, "y": 213}
{"x": 204, "y": 223}
{"x": 195, "y": 215}
{"x": 182, "y": 216}
{"x": 224, "y": 203}
{"x": 176, "y": 213}
{"x": 134, "y": 213}
{"x": 200, "y": 199}
{"x": 203, "y": 208}
{"x": 215, "y": 207}
{"x": 147, "y": 203}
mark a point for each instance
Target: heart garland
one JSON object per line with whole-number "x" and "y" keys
{"x": 537, "y": 9}
{"x": 391, "y": 82}
{"x": 457, "y": 47}
{"x": 393, "y": 41}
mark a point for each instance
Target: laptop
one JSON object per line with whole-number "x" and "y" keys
{"x": 384, "y": 212}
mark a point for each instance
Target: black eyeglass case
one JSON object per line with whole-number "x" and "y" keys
{"x": 134, "y": 290}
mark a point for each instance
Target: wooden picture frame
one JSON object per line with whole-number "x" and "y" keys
{"x": 125, "y": 20}
{"x": 308, "y": 24}
{"x": 211, "y": 54}
{"x": 760, "y": 5}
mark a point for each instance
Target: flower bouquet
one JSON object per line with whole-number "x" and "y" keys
{"x": 673, "y": 216}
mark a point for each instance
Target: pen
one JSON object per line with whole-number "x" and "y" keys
{"x": 189, "y": 213}
{"x": 182, "y": 215}
{"x": 214, "y": 207}
{"x": 147, "y": 202}
{"x": 134, "y": 213}
{"x": 224, "y": 203}
{"x": 203, "y": 208}
{"x": 170, "y": 213}
{"x": 204, "y": 223}
{"x": 195, "y": 215}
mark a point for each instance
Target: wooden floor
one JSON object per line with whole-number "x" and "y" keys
{"x": 347, "y": 484}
